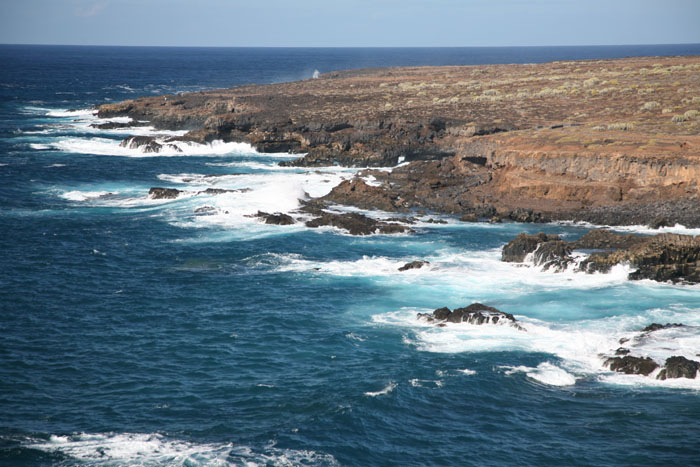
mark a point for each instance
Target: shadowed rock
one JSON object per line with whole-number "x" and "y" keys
{"x": 630, "y": 365}
{"x": 679, "y": 367}
{"x": 656, "y": 326}
{"x": 357, "y": 224}
{"x": 517, "y": 249}
{"x": 475, "y": 313}
{"x": 413, "y": 265}
{"x": 276, "y": 218}
{"x": 163, "y": 193}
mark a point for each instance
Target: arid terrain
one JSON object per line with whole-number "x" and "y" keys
{"x": 607, "y": 141}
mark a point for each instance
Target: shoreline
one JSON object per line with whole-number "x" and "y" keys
{"x": 612, "y": 141}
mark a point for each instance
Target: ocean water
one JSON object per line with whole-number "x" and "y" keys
{"x": 140, "y": 332}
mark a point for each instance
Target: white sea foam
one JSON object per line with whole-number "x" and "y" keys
{"x": 467, "y": 371}
{"x": 425, "y": 383}
{"x": 639, "y": 229}
{"x": 77, "y": 195}
{"x": 110, "y": 147}
{"x": 582, "y": 346}
{"x": 156, "y": 449}
{"x": 386, "y": 390}
{"x": 78, "y": 113}
{"x": 545, "y": 373}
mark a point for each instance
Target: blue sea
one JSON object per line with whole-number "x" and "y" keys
{"x": 136, "y": 331}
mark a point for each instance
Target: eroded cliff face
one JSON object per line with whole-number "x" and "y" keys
{"x": 612, "y": 140}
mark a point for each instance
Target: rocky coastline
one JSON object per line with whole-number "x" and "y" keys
{"x": 613, "y": 142}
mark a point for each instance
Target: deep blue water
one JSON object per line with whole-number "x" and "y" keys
{"x": 136, "y": 331}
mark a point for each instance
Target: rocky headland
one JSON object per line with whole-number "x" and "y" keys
{"x": 605, "y": 141}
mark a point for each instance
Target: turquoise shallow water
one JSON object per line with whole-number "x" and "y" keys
{"x": 137, "y": 331}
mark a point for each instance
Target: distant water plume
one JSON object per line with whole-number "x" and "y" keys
{"x": 316, "y": 74}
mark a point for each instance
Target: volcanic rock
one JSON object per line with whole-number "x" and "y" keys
{"x": 679, "y": 367}
{"x": 517, "y": 249}
{"x": 356, "y": 224}
{"x": 476, "y": 313}
{"x": 276, "y": 218}
{"x": 413, "y": 265}
{"x": 630, "y": 365}
{"x": 163, "y": 193}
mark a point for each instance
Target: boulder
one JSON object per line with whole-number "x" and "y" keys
{"x": 679, "y": 367}
{"x": 659, "y": 222}
{"x": 554, "y": 254}
{"x": 630, "y": 365}
{"x": 517, "y": 249}
{"x": 147, "y": 144}
{"x": 276, "y": 218}
{"x": 163, "y": 193}
{"x": 356, "y": 224}
{"x": 413, "y": 265}
{"x": 476, "y": 313}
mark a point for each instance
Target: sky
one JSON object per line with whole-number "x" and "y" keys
{"x": 349, "y": 23}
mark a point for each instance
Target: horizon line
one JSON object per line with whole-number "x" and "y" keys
{"x": 347, "y": 46}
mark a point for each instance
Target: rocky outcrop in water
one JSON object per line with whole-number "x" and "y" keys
{"x": 674, "y": 367}
{"x": 663, "y": 257}
{"x": 277, "y": 218}
{"x": 147, "y": 144}
{"x": 413, "y": 265}
{"x": 163, "y": 193}
{"x": 679, "y": 367}
{"x": 476, "y": 313}
{"x": 631, "y": 365}
{"x": 357, "y": 224}
{"x": 173, "y": 193}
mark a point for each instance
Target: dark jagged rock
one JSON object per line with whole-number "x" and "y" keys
{"x": 112, "y": 125}
{"x": 622, "y": 351}
{"x": 356, "y": 224}
{"x": 217, "y": 191}
{"x": 659, "y": 222}
{"x": 527, "y": 215}
{"x": 469, "y": 218}
{"x": 413, "y": 265}
{"x": 517, "y": 249}
{"x": 553, "y": 254}
{"x": 656, "y": 326}
{"x": 276, "y": 218}
{"x": 630, "y": 365}
{"x": 358, "y": 193}
{"x": 476, "y": 313}
{"x": 147, "y": 144}
{"x": 679, "y": 367}
{"x": 663, "y": 257}
{"x": 163, "y": 193}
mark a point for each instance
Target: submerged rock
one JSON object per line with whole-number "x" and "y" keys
{"x": 656, "y": 326}
{"x": 413, "y": 265}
